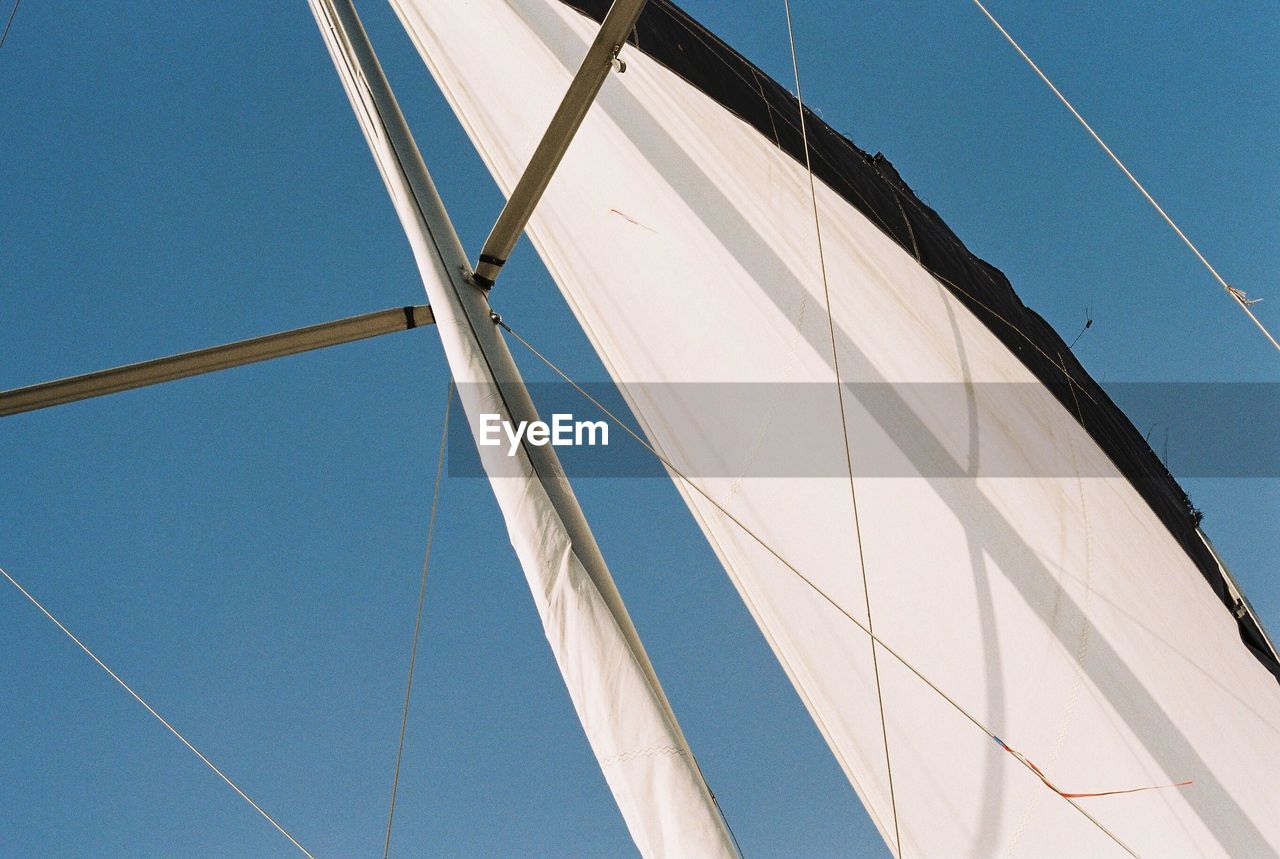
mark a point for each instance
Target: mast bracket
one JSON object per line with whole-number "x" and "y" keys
{"x": 487, "y": 262}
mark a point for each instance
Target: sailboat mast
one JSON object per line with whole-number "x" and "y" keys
{"x": 632, "y": 729}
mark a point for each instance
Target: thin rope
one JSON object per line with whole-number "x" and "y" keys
{"x": 1069, "y": 795}
{"x": 161, "y": 719}
{"x": 417, "y": 624}
{"x": 1237, "y": 294}
{"x": 9, "y": 23}
{"x": 746, "y": 529}
{"x": 1088, "y": 323}
{"x": 844, "y": 427}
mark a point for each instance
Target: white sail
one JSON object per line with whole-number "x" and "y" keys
{"x": 632, "y": 730}
{"x": 1058, "y": 610}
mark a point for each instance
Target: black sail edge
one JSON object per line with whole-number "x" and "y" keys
{"x": 872, "y": 185}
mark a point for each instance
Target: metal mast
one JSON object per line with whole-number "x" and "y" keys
{"x": 628, "y": 721}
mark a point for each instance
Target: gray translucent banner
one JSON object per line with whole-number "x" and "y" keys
{"x": 934, "y": 430}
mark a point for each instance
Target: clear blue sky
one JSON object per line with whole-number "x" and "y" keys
{"x": 244, "y": 548}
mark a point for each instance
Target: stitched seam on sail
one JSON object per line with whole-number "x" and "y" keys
{"x": 650, "y": 752}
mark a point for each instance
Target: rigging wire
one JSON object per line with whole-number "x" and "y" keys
{"x": 1088, "y": 323}
{"x": 9, "y": 23}
{"x": 161, "y": 719}
{"x": 746, "y": 529}
{"x": 1238, "y": 295}
{"x": 417, "y": 624}
{"x": 844, "y": 426}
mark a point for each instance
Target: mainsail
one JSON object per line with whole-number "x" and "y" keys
{"x": 1071, "y": 608}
